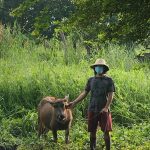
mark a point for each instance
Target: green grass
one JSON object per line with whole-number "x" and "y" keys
{"x": 30, "y": 71}
{"x": 24, "y": 134}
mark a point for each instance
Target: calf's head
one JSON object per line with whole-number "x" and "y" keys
{"x": 59, "y": 109}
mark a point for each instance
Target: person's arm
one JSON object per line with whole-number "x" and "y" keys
{"x": 109, "y": 101}
{"x": 78, "y": 99}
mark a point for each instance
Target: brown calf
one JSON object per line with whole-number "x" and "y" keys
{"x": 54, "y": 115}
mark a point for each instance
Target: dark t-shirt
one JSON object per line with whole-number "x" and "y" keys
{"x": 99, "y": 88}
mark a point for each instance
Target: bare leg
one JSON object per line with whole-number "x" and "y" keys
{"x": 93, "y": 140}
{"x": 107, "y": 140}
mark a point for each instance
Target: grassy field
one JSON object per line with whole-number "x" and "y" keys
{"x": 30, "y": 71}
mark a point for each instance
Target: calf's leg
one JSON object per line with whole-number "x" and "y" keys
{"x": 40, "y": 129}
{"x": 54, "y": 135}
{"x": 67, "y": 136}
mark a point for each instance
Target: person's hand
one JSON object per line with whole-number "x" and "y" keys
{"x": 104, "y": 110}
{"x": 70, "y": 105}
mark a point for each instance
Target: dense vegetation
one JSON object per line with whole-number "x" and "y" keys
{"x": 46, "y": 48}
{"x": 107, "y": 20}
{"x": 30, "y": 71}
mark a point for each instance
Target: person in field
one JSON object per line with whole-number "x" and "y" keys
{"x": 102, "y": 91}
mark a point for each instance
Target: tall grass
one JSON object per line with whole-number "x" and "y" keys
{"x": 30, "y": 71}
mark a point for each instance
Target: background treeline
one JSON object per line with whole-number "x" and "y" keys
{"x": 46, "y": 48}
{"x": 107, "y": 20}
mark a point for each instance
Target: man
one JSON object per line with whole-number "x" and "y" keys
{"x": 102, "y": 90}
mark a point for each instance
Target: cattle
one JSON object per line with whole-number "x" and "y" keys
{"x": 54, "y": 115}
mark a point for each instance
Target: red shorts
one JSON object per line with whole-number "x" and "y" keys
{"x": 103, "y": 119}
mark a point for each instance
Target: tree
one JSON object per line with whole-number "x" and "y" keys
{"x": 38, "y": 16}
{"x": 113, "y": 20}
{"x": 6, "y": 6}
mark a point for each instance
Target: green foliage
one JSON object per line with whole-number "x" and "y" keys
{"x": 38, "y": 16}
{"x": 6, "y": 6}
{"x": 112, "y": 20}
{"x": 30, "y": 72}
{"x": 133, "y": 138}
{"x": 97, "y": 21}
